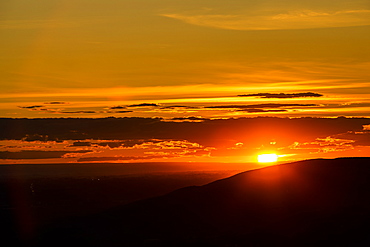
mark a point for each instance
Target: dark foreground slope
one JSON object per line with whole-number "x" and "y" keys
{"x": 307, "y": 203}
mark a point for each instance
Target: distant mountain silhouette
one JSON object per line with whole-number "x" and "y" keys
{"x": 307, "y": 203}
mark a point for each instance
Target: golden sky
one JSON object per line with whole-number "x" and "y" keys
{"x": 187, "y": 62}
{"x": 92, "y": 55}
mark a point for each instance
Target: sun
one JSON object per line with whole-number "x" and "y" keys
{"x": 267, "y": 158}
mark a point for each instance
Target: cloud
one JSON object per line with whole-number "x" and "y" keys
{"x": 111, "y": 144}
{"x": 191, "y": 119}
{"x": 254, "y": 110}
{"x": 282, "y": 95}
{"x": 35, "y": 137}
{"x": 143, "y": 104}
{"x": 55, "y": 103}
{"x": 81, "y": 144}
{"x": 359, "y": 138}
{"x": 123, "y": 111}
{"x": 44, "y": 109}
{"x": 122, "y": 143}
{"x": 359, "y": 106}
{"x": 325, "y": 145}
{"x": 348, "y": 141}
{"x": 31, "y": 107}
{"x": 117, "y": 107}
{"x": 179, "y": 107}
{"x": 259, "y": 106}
{"x": 299, "y": 19}
{"x": 57, "y": 111}
{"x": 145, "y": 150}
{"x": 294, "y": 15}
{"x": 77, "y": 112}
{"x": 133, "y": 139}
{"x": 209, "y": 133}
{"x": 349, "y": 105}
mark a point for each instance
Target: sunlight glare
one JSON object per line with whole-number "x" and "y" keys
{"x": 267, "y": 158}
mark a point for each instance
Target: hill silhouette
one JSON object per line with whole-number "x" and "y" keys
{"x": 307, "y": 203}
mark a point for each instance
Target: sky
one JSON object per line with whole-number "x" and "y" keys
{"x": 184, "y": 60}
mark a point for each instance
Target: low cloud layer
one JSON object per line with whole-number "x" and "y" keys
{"x": 193, "y": 119}
{"x": 190, "y": 138}
{"x": 260, "y": 106}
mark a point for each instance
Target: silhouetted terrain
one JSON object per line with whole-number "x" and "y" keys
{"x": 307, "y": 203}
{"x": 32, "y": 196}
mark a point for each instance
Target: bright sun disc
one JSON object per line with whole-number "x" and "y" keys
{"x": 266, "y": 158}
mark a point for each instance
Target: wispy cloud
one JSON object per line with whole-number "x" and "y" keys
{"x": 310, "y": 13}
{"x": 258, "y": 106}
{"x": 299, "y": 19}
{"x": 281, "y": 95}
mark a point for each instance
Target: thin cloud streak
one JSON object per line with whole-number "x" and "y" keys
{"x": 300, "y": 19}
{"x": 282, "y": 95}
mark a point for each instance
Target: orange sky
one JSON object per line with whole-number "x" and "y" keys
{"x": 176, "y": 60}
{"x": 97, "y": 54}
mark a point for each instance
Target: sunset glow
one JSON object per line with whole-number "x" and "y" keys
{"x": 195, "y": 80}
{"x": 184, "y": 123}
